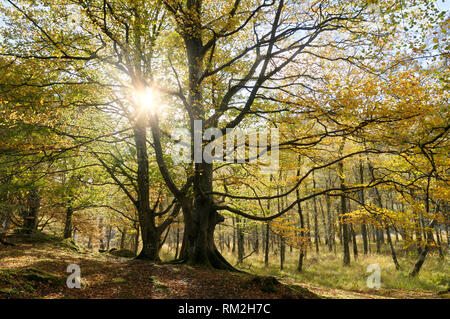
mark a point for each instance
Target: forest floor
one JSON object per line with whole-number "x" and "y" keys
{"x": 33, "y": 269}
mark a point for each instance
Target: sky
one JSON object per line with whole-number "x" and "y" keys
{"x": 443, "y": 5}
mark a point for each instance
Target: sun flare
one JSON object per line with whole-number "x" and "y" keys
{"x": 147, "y": 99}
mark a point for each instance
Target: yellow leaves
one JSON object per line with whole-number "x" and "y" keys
{"x": 291, "y": 233}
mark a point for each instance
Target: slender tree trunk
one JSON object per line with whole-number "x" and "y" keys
{"x": 100, "y": 228}
{"x": 330, "y": 224}
{"x": 303, "y": 243}
{"x": 282, "y": 252}
{"x": 436, "y": 228}
{"x": 423, "y": 254}
{"x": 108, "y": 237}
{"x": 391, "y": 245}
{"x": 233, "y": 249}
{"x": 68, "y": 223}
{"x": 362, "y": 199}
{"x": 316, "y": 223}
{"x": 308, "y": 225}
{"x": 178, "y": 241}
{"x": 267, "y": 247}
{"x": 345, "y": 230}
{"x": 240, "y": 242}
{"x": 378, "y": 239}
{"x": 136, "y": 240}
{"x": 355, "y": 245}
{"x": 428, "y": 235}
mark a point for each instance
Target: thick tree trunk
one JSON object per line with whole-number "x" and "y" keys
{"x": 151, "y": 243}
{"x": 198, "y": 243}
{"x": 30, "y": 214}
{"x": 151, "y": 236}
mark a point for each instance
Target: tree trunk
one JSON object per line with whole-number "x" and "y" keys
{"x": 30, "y": 214}
{"x": 439, "y": 246}
{"x": 355, "y": 246}
{"x": 363, "y": 202}
{"x": 233, "y": 249}
{"x": 240, "y": 242}
{"x": 150, "y": 235}
{"x": 378, "y": 240}
{"x": 178, "y": 241}
{"x": 423, "y": 253}
{"x": 136, "y": 240}
{"x": 330, "y": 224}
{"x": 302, "y": 226}
{"x": 391, "y": 245}
{"x": 266, "y": 249}
{"x": 256, "y": 240}
{"x": 108, "y": 237}
{"x": 200, "y": 225}
{"x": 345, "y": 230}
{"x": 68, "y": 223}
{"x": 122, "y": 238}
{"x": 282, "y": 252}
{"x": 302, "y": 234}
{"x": 316, "y": 223}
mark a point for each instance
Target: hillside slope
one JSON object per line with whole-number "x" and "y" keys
{"x": 37, "y": 268}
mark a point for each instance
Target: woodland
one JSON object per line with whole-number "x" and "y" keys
{"x": 347, "y": 181}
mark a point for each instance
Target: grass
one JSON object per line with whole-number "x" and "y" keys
{"x": 39, "y": 270}
{"x": 326, "y": 269}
